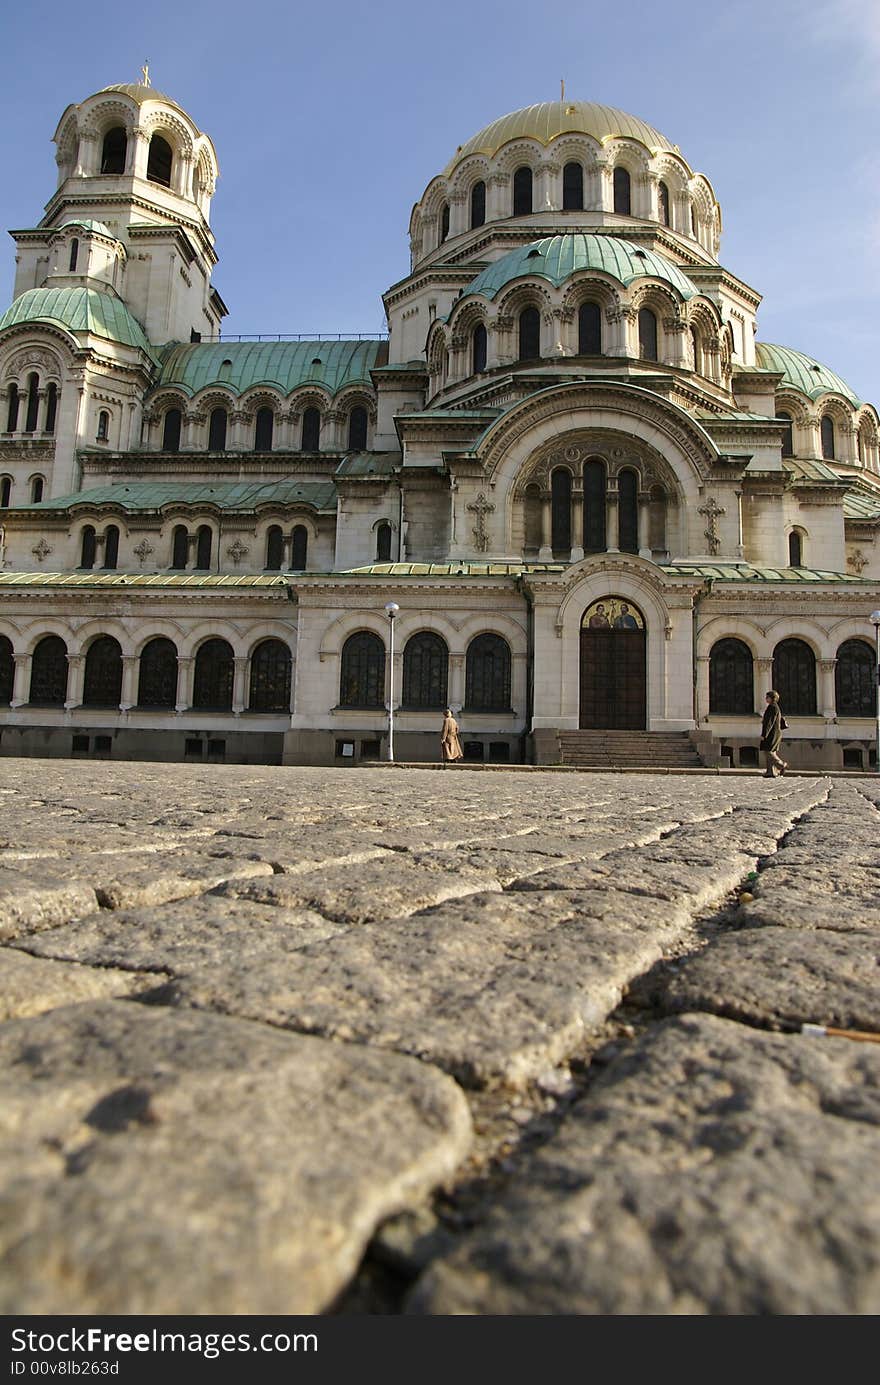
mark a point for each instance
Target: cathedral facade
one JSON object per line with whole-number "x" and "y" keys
{"x": 570, "y": 485}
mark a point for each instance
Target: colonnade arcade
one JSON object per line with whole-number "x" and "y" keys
{"x": 595, "y": 494}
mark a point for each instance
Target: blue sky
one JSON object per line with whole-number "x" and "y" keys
{"x": 329, "y": 120}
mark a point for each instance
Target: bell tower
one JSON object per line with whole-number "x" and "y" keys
{"x": 134, "y": 169}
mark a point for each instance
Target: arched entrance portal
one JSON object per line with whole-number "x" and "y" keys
{"x": 613, "y": 684}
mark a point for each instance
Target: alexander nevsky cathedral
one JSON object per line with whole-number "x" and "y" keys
{"x": 607, "y": 513}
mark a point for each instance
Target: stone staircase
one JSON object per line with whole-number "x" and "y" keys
{"x": 628, "y": 750}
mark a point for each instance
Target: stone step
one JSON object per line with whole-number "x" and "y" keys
{"x": 628, "y": 749}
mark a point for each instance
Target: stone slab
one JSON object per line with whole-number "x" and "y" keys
{"x": 182, "y": 1163}
{"x": 712, "y": 1169}
{"x": 32, "y": 985}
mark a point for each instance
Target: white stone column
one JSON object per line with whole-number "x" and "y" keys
{"x": 21, "y": 685}
{"x": 702, "y": 708}
{"x": 644, "y": 524}
{"x": 577, "y": 525}
{"x": 76, "y": 668}
{"x": 190, "y": 431}
{"x": 612, "y": 540}
{"x": 456, "y": 690}
{"x": 141, "y": 142}
{"x": 192, "y": 551}
{"x": 185, "y": 671}
{"x": 827, "y": 698}
{"x": 239, "y": 683}
{"x": 458, "y": 213}
{"x": 130, "y": 668}
{"x": 763, "y": 682}
{"x": 98, "y": 561}
{"x": 545, "y": 552}
{"x": 605, "y": 176}
{"x": 676, "y": 336}
{"x": 497, "y": 197}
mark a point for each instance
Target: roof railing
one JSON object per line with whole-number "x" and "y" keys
{"x": 300, "y": 336}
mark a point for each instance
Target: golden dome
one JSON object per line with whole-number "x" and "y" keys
{"x": 545, "y": 122}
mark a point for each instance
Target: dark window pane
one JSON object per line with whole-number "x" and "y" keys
{"x": 111, "y": 546}
{"x": 855, "y": 687}
{"x": 572, "y": 188}
{"x": 522, "y": 192}
{"x": 628, "y": 512}
{"x": 299, "y": 548}
{"x": 74, "y": 255}
{"x": 487, "y": 674}
{"x": 113, "y": 151}
{"x": 357, "y": 429}
{"x": 594, "y": 508}
{"x": 51, "y": 408}
{"x": 589, "y": 330}
{"x": 787, "y": 437}
{"x": 311, "y": 430}
{"x": 88, "y": 548}
{"x": 529, "y": 335}
{"x": 212, "y": 682}
{"x": 647, "y": 335}
{"x": 7, "y": 671}
{"x": 383, "y": 543}
{"x": 795, "y": 552}
{"x": 157, "y": 681}
{"x": 33, "y": 404}
{"x": 217, "y": 431}
{"x": 827, "y": 427}
{"x": 274, "y": 549}
{"x": 425, "y": 661}
{"x": 270, "y": 677}
{"x": 444, "y": 223}
{"x": 159, "y": 161}
{"x": 12, "y": 414}
{"x": 731, "y": 678}
{"x": 794, "y": 678}
{"x": 36, "y": 490}
{"x": 49, "y": 672}
{"x": 171, "y": 431}
{"x": 263, "y": 429}
{"x": 5, "y": 491}
{"x": 478, "y": 204}
{"x": 560, "y": 492}
{"x": 622, "y": 199}
{"x": 203, "y": 548}
{"x": 479, "y": 349}
{"x": 663, "y": 201}
{"x": 362, "y": 676}
{"x": 180, "y": 548}
{"x": 103, "y": 676}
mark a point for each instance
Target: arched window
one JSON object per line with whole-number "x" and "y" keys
{"x": 113, "y": 151}
{"x": 102, "y": 686}
{"x": 157, "y": 681}
{"x": 74, "y": 255}
{"x": 171, "y": 430}
{"x": 697, "y": 352}
{"x": 357, "y": 429}
{"x": 212, "y": 679}
{"x": 7, "y": 671}
{"x": 795, "y": 549}
{"x": 33, "y": 404}
{"x": 444, "y": 223}
{"x": 529, "y": 335}
{"x": 522, "y": 192}
{"x": 299, "y": 548}
{"x": 794, "y": 678}
{"x": 88, "y": 547}
{"x": 270, "y": 677}
{"x": 51, "y": 407}
{"x": 425, "y": 662}
{"x": 787, "y": 436}
{"x": 647, "y": 335}
{"x": 263, "y": 428}
{"x": 855, "y": 691}
{"x": 478, "y": 349}
{"x": 693, "y": 221}
{"x": 111, "y": 546}
{"x": 572, "y": 188}
{"x": 533, "y": 533}
{"x": 159, "y": 161}
{"x": 827, "y": 428}
{"x": 731, "y": 679}
{"x": 383, "y": 542}
{"x": 274, "y": 549}
{"x": 203, "y": 547}
{"x": 12, "y": 414}
{"x": 595, "y": 540}
{"x": 49, "y": 673}
{"x": 36, "y": 490}
{"x": 217, "y": 431}
{"x": 663, "y": 203}
{"x": 628, "y": 512}
{"x": 478, "y": 205}
{"x": 179, "y": 547}
{"x": 589, "y": 330}
{"x": 103, "y": 426}
{"x": 487, "y": 674}
{"x": 622, "y": 192}
{"x": 5, "y": 491}
{"x": 311, "y": 430}
{"x": 560, "y": 511}
{"x": 362, "y": 676}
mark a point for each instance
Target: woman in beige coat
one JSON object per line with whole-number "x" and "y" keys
{"x": 450, "y": 745}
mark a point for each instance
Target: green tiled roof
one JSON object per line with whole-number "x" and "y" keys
{"x": 861, "y": 504}
{"x": 545, "y": 121}
{"x": 802, "y": 372}
{"x": 282, "y": 365}
{"x": 556, "y": 258}
{"x": 79, "y": 309}
{"x": 719, "y": 572}
{"x": 464, "y": 569}
{"x": 366, "y": 464}
{"x": 133, "y": 579}
{"x": 723, "y": 572}
{"x": 88, "y": 225}
{"x": 225, "y": 495}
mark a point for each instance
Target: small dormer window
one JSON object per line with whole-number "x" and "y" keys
{"x": 533, "y": 255}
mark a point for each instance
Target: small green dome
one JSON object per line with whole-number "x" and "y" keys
{"x": 79, "y": 310}
{"x": 557, "y": 258}
{"x": 802, "y": 372}
{"x": 97, "y": 226}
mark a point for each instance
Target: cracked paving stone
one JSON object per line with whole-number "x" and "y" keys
{"x": 712, "y": 1169}
{"x": 32, "y": 985}
{"x": 176, "y": 1162}
{"x": 28, "y": 904}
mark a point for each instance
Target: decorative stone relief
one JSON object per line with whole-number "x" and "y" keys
{"x": 143, "y": 551}
{"x": 237, "y": 551}
{"x": 481, "y": 507}
{"x": 857, "y": 561}
{"x": 712, "y": 510}
{"x": 41, "y": 550}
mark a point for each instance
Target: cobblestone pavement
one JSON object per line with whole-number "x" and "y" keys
{"x": 281, "y": 1040}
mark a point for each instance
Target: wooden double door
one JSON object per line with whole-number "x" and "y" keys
{"x": 613, "y": 692}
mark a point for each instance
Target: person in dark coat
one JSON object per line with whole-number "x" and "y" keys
{"x": 771, "y": 737}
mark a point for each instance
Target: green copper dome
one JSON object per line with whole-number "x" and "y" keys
{"x": 802, "y": 372}
{"x": 550, "y": 119}
{"x": 79, "y": 310}
{"x": 557, "y": 258}
{"x": 283, "y": 364}
{"x": 87, "y": 225}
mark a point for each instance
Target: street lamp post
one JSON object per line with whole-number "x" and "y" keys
{"x": 391, "y": 610}
{"x": 875, "y": 621}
